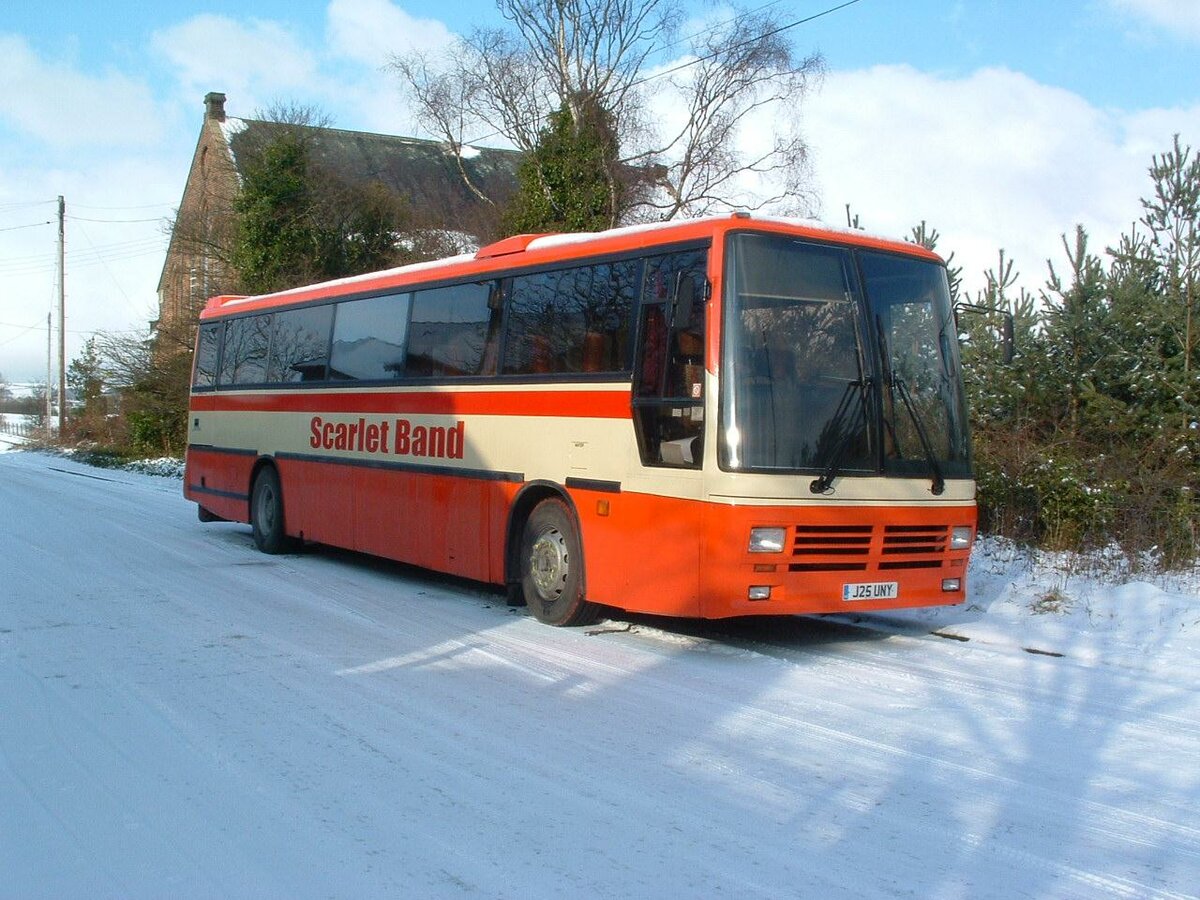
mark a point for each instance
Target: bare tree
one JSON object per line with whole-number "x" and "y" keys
{"x": 743, "y": 72}
{"x": 580, "y": 54}
{"x": 292, "y": 112}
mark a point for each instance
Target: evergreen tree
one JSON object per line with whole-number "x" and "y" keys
{"x": 1172, "y": 219}
{"x": 298, "y": 223}
{"x": 1091, "y": 435}
{"x": 1077, "y": 346}
{"x": 277, "y": 241}
{"x": 568, "y": 182}
{"x": 996, "y": 391}
{"x": 1153, "y": 282}
{"x": 928, "y": 238}
{"x": 85, "y": 376}
{"x": 1002, "y": 399}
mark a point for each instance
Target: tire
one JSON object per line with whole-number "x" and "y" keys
{"x": 552, "y": 567}
{"x": 266, "y": 513}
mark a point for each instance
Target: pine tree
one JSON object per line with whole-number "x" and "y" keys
{"x": 1172, "y": 218}
{"x": 928, "y": 238}
{"x": 1076, "y": 344}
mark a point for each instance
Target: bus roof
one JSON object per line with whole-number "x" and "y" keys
{"x": 533, "y": 249}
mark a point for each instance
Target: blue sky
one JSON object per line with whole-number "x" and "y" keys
{"x": 1001, "y": 123}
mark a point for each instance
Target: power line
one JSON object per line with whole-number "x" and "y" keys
{"x": 30, "y": 225}
{"x": 700, "y": 59}
{"x": 92, "y": 331}
{"x": 711, "y": 28}
{"x": 97, "y": 248}
{"x": 20, "y": 334}
{"x": 43, "y": 262}
{"x": 110, "y": 208}
{"x": 103, "y": 262}
{"x": 108, "y": 245}
{"x": 26, "y": 204}
{"x": 757, "y": 37}
{"x": 130, "y": 221}
{"x": 77, "y": 264}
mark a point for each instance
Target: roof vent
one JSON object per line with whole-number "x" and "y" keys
{"x": 515, "y": 244}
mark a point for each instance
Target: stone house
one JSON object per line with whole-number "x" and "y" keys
{"x": 425, "y": 173}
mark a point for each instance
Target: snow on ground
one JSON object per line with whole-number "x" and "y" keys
{"x": 1056, "y": 603}
{"x": 185, "y": 717}
{"x": 13, "y": 430}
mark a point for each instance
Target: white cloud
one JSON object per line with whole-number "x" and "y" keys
{"x": 101, "y": 141}
{"x": 66, "y": 108}
{"x": 370, "y": 31}
{"x": 362, "y": 36}
{"x": 116, "y": 205}
{"x": 255, "y": 61}
{"x": 1182, "y": 17}
{"x": 992, "y": 160}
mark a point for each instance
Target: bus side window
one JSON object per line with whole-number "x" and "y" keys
{"x": 570, "y": 320}
{"x": 208, "y": 350}
{"x": 369, "y": 338}
{"x": 449, "y": 329}
{"x": 300, "y": 344}
{"x": 244, "y": 356}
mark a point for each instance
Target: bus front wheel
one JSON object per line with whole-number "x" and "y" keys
{"x": 266, "y": 513}
{"x": 552, "y": 567}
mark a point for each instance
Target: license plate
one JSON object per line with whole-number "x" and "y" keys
{"x": 871, "y": 590}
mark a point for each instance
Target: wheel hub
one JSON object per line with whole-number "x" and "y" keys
{"x": 266, "y": 508}
{"x": 548, "y": 564}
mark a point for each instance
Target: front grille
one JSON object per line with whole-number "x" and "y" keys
{"x": 928, "y": 543}
{"x": 862, "y": 548}
{"x": 840, "y": 548}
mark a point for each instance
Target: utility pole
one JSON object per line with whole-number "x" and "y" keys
{"x": 62, "y": 323}
{"x": 49, "y": 372}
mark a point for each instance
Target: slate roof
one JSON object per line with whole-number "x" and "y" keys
{"x": 423, "y": 171}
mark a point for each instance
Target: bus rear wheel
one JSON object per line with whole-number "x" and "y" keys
{"x": 552, "y": 567}
{"x": 266, "y": 513}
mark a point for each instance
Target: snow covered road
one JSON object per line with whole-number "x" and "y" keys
{"x": 182, "y": 716}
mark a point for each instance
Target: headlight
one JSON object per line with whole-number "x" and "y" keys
{"x": 960, "y": 537}
{"x": 767, "y": 540}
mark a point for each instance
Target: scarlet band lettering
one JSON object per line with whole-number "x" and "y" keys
{"x": 379, "y": 438}
{"x": 429, "y": 440}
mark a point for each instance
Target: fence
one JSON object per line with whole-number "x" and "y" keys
{"x": 17, "y": 426}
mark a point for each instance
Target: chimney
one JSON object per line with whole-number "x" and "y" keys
{"x": 214, "y": 106}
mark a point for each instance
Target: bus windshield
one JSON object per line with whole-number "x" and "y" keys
{"x": 839, "y": 360}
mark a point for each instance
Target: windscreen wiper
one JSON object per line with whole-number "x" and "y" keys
{"x": 898, "y": 386}
{"x": 824, "y": 484}
{"x": 939, "y": 483}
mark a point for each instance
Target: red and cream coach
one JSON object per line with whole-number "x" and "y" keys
{"x": 717, "y": 417}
